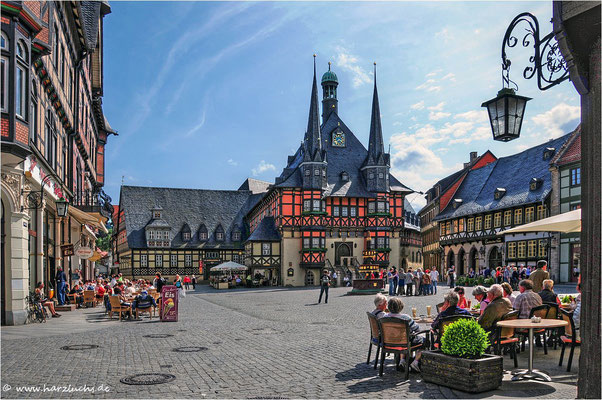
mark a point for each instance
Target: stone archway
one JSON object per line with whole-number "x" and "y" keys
{"x": 343, "y": 250}
{"x": 460, "y": 266}
{"x": 450, "y": 258}
{"x": 495, "y": 258}
{"x": 473, "y": 259}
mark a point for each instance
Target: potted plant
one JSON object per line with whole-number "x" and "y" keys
{"x": 462, "y": 363}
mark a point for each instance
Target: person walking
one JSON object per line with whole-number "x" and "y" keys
{"x": 324, "y": 285}
{"x": 434, "y": 279}
{"x": 61, "y": 280}
{"x": 539, "y": 275}
{"x": 187, "y": 282}
{"x": 401, "y": 286}
{"x": 193, "y": 280}
{"x": 409, "y": 282}
{"x": 334, "y": 278}
{"x": 451, "y": 273}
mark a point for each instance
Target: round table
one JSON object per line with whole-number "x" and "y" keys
{"x": 531, "y": 373}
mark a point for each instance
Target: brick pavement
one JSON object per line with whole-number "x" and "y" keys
{"x": 261, "y": 343}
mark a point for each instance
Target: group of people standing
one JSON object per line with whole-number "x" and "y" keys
{"x": 410, "y": 282}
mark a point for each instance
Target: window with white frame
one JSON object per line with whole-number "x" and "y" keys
{"x": 4, "y": 83}
{"x": 159, "y": 260}
{"x": 380, "y": 242}
{"x": 315, "y": 243}
{"x": 266, "y": 249}
{"x": 317, "y": 205}
{"x": 306, "y": 243}
{"x": 219, "y": 236}
{"x": 306, "y": 205}
{"x": 186, "y": 236}
{"x": 174, "y": 260}
{"x": 21, "y": 92}
{"x": 188, "y": 260}
{"x": 143, "y": 260}
{"x": 4, "y": 41}
{"x": 371, "y": 207}
{"x": 353, "y": 211}
{"x": 151, "y": 235}
{"x": 236, "y": 236}
{"x": 33, "y": 126}
{"x": 165, "y": 235}
{"x": 203, "y": 235}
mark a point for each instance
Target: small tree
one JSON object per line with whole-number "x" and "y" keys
{"x": 104, "y": 242}
{"x": 464, "y": 338}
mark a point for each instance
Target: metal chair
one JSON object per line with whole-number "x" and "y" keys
{"x": 541, "y": 312}
{"x": 570, "y": 336}
{"x": 505, "y": 337}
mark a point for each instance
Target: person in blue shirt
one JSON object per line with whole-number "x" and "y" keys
{"x": 61, "y": 280}
{"x": 143, "y": 300}
{"x": 449, "y": 308}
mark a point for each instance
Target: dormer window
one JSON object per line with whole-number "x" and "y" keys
{"x": 236, "y": 235}
{"x": 457, "y": 203}
{"x": 203, "y": 232}
{"x": 186, "y": 236}
{"x": 535, "y": 184}
{"x": 344, "y": 176}
{"x": 548, "y": 153}
{"x": 219, "y": 234}
{"x": 499, "y": 193}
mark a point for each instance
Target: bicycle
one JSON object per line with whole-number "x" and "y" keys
{"x": 35, "y": 310}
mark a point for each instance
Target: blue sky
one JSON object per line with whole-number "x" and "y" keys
{"x": 206, "y": 94}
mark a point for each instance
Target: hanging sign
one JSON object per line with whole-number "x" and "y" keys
{"x": 201, "y": 267}
{"x": 67, "y": 250}
{"x": 84, "y": 252}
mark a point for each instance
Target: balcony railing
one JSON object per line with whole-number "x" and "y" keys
{"x": 93, "y": 202}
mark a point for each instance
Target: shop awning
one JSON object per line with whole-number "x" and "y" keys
{"x": 88, "y": 219}
{"x": 566, "y": 223}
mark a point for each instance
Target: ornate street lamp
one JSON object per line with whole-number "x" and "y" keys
{"x": 62, "y": 207}
{"x": 506, "y": 110}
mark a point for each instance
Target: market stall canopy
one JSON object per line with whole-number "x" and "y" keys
{"x": 229, "y": 266}
{"x": 566, "y": 223}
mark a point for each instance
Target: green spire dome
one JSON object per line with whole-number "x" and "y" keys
{"x": 329, "y": 76}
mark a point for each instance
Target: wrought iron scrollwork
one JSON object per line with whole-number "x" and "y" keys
{"x": 546, "y": 61}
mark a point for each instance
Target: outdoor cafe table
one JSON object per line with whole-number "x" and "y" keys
{"x": 531, "y": 373}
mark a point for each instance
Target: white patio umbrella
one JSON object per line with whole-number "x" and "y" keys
{"x": 229, "y": 266}
{"x": 566, "y": 223}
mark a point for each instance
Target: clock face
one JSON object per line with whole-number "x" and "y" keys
{"x": 338, "y": 139}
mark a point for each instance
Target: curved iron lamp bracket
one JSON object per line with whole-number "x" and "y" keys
{"x": 35, "y": 199}
{"x": 547, "y": 60}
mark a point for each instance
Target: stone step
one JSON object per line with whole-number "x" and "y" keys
{"x": 65, "y": 307}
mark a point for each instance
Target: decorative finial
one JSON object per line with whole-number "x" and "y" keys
{"x": 329, "y": 65}
{"x": 374, "y": 72}
{"x": 314, "y": 55}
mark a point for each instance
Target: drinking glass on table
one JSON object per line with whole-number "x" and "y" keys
{"x": 469, "y": 302}
{"x": 414, "y": 312}
{"x": 428, "y": 311}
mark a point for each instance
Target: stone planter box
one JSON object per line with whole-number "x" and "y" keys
{"x": 468, "y": 375}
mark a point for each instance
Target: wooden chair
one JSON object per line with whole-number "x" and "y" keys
{"x": 396, "y": 338}
{"x": 553, "y": 313}
{"x": 117, "y": 307}
{"x": 374, "y": 337}
{"x": 150, "y": 310}
{"x": 505, "y": 337}
{"x": 89, "y": 298}
{"x": 570, "y": 336}
{"x": 444, "y": 323}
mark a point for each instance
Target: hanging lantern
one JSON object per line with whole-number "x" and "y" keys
{"x": 506, "y": 113}
{"x": 62, "y": 207}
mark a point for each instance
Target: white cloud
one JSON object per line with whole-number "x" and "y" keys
{"x": 433, "y": 73}
{"x": 263, "y": 167}
{"x": 232, "y": 162}
{"x": 450, "y": 77}
{"x": 429, "y": 86}
{"x": 557, "y": 121}
{"x": 418, "y": 106}
{"x": 438, "y": 107}
{"x": 198, "y": 125}
{"x": 349, "y": 62}
{"x": 435, "y": 116}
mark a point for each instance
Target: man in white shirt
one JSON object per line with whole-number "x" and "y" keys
{"x": 434, "y": 279}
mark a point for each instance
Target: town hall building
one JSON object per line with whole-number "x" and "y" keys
{"x": 334, "y": 202}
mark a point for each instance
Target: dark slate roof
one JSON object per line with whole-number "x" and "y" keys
{"x": 194, "y": 207}
{"x": 265, "y": 231}
{"x": 90, "y": 19}
{"x": 254, "y": 186}
{"x": 349, "y": 159}
{"x": 512, "y": 173}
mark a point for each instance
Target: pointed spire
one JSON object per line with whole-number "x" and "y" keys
{"x": 375, "y": 145}
{"x": 313, "y": 137}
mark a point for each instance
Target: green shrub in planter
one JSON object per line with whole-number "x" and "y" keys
{"x": 480, "y": 280}
{"x": 461, "y": 281}
{"x": 464, "y": 338}
{"x": 470, "y": 281}
{"x": 488, "y": 282}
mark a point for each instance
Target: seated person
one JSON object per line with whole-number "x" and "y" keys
{"x": 100, "y": 292}
{"x": 547, "y": 294}
{"x": 44, "y": 301}
{"x": 79, "y": 297}
{"x": 462, "y": 303}
{"x": 144, "y": 300}
{"x": 395, "y": 306}
{"x": 380, "y": 302}
{"x": 480, "y": 293}
{"x": 130, "y": 290}
{"x": 119, "y": 290}
{"x": 498, "y": 307}
{"x": 449, "y": 308}
{"x": 527, "y": 299}
{"x": 508, "y": 292}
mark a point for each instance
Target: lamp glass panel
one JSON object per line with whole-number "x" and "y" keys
{"x": 512, "y": 107}
{"x": 501, "y": 114}
{"x": 492, "y": 109}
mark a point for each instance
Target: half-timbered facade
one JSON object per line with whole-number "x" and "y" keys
{"x": 335, "y": 198}
{"x": 495, "y": 198}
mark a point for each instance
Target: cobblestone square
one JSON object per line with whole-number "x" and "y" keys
{"x": 260, "y": 343}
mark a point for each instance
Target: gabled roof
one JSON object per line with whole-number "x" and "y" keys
{"x": 348, "y": 159}
{"x": 185, "y": 206}
{"x": 254, "y": 185}
{"x": 514, "y": 173}
{"x": 571, "y": 151}
{"x": 265, "y": 231}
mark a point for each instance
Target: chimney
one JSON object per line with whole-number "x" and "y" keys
{"x": 473, "y": 156}
{"x": 466, "y": 164}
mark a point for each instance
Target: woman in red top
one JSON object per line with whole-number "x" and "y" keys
{"x": 462, "y": 303}
{"x": 100, "y": 292}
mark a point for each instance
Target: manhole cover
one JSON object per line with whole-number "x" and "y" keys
{"x": 166, "y": 366}
{"x": 153, "y": 378}
{"x": 217, "y": 342}
{"x": 79, "y": 347}
{"x": 181, "y": 330}
{"x": 189, "y": 349}
{"x": 319, "y": 323}
{"x": 158, "y": 335}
